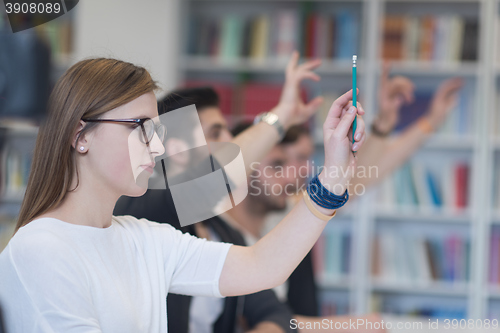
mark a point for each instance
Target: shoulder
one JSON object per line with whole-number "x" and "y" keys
{"x": 40, "y": 243}
{"x": 147, "y": 229}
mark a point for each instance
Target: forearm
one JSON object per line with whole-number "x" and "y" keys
{"x": 270, "y": 261}
{"x": 386, "y": 155}
{"x": 256, "y": 142}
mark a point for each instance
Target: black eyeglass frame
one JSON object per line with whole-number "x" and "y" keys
{"x": 139, "y": 121}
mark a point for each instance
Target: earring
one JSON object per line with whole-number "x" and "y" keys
{"x": 82, "y": 148}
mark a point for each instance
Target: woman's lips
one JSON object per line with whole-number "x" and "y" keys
{"x": 149, "y": 167}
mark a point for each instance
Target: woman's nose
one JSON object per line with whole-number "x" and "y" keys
{"x": 156, "y": 146}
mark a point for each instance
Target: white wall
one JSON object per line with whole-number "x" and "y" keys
{"x": 143, "y": 32}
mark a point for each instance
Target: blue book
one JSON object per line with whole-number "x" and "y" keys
{"x": 346, "y": 34}
{"x": 433, "y": 187}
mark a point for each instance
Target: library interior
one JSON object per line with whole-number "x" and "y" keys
{"x": 420, "y": 238}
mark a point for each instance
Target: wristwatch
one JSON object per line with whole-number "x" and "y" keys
{"x": 270, "y": 118}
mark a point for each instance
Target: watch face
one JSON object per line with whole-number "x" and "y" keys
{"x": 271, "y": 118}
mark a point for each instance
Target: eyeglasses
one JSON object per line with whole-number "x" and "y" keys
{"x": 148, "y": 127}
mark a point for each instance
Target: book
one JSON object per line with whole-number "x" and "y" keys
{"x": 419, "y": 260}
{"x": 470, "y": 40}
{"x": 259, "y": 39}
{"x": 230, "y": 44}
{"x": 394, "y": 37}
{"x": 347, "y": 32}
{"x": 286, "y": 41}
{"x": 448, "y": 38}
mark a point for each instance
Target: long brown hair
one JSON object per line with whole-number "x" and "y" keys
{"x": 88, "y": 89}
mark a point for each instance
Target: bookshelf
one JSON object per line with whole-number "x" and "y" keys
{"x": 472, "y": 138}
{"x": 18, "y": 134}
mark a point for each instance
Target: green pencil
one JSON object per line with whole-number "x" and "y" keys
{"x": 354, "y": 103}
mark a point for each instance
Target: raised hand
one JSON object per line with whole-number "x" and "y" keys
{"x": 340, "y": 161}
{"x": 393, "y": 93}
{"x": 444, "y": 100}
{"x": 292, "y": 110}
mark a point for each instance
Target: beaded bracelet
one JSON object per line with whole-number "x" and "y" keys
{"x": 324, "y": 198}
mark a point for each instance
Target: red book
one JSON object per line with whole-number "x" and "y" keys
{"x": 461, "y": 176}
{"x": 224, "y": 91}
{"x": 310, "y": 34}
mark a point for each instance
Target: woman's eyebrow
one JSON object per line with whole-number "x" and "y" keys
{"x": 141, "y": 116}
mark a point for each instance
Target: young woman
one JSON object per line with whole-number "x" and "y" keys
{"x": 73, "y": 267}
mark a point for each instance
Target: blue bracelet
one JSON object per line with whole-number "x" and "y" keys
{"x": 324, "y": 198}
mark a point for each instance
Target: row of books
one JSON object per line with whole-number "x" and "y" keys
{"x": 244, "y": 101}
{"x": 444, "y": 38}
{"x": 14, "y": 172}
{"x": 401, "y": 258}
{"x": 380, "y": 304}
{"x": 276, "y": 35}
{"x": 416, "y": 186}
{"x": 332, "y": 254}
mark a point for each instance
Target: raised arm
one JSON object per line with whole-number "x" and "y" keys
{"x": 291, "y": 110}
{"x": 272, "y": 259}
{"x": 387, "y": 154}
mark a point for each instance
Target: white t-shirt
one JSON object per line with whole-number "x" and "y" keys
{"x": 61, "y": 277}
{"x": 204, "y": 311}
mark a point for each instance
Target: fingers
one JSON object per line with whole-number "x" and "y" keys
{"x": 361, "y": 111}
{"x": 336, "y": 110}
{"x": 293, "y": 67}
{"x": 358, "y": 144}
{"x": 451, "y": 86}
{"x": 341, "y": 102}
{"x": 292, "y": 63}
{"x": 401, "y": 85}
{"x": 360, "y": 129}
{"x": 345, "y": 123}
{"x": 310, "y": 65}
{"x": 313, "y": 105}
{"x": 308, "y": 75}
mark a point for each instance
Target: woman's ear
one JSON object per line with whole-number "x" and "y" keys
{"x": 80, "y": 140}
